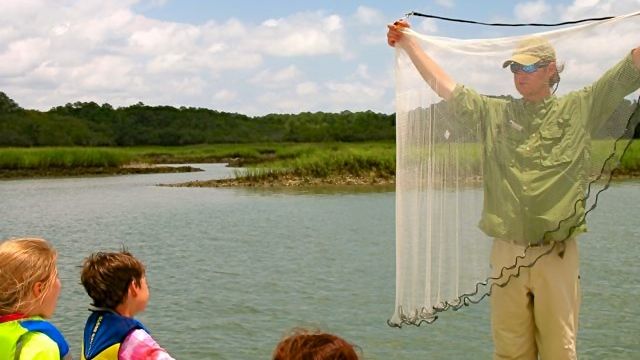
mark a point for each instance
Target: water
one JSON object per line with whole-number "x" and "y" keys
{"x": 232, "y": 270}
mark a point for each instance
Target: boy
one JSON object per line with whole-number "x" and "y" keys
{"x": 117, "y": 285}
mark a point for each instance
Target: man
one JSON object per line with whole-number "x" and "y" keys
{"x": 536, "y": 155}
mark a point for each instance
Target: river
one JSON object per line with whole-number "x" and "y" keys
{"x": 231, "y": 270}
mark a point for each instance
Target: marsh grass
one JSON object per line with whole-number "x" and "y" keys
{"x": 368, "y": 160}
{"x": 378, "y": 160}
{"x": 264, "y": 162}
{"x": 61, "y": 157}
{"x": 627, "y": 163}
{"x": 324, "y": 165}
{"x": 631, "y": 160}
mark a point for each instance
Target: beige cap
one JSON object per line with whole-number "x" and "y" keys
{"x": 531, "y": 50}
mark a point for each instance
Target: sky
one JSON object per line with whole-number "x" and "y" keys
{"x": 249, "y": 57}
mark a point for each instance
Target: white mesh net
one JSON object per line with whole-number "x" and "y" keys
{"x": 493, "y": 160}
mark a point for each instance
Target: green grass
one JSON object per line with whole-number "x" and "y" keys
{"x": 238, "y": 153}
{"x": 265, "y": 161}
{"x": 629, "y": 163}
{"x": 61, "y": 157}
{"x": 326, "y": 160}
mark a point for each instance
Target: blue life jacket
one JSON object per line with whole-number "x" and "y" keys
{"x": 104, "y": 332}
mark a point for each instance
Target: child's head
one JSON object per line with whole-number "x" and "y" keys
{"x": 114, "y": 278}
{"x": 29, "y": 281}
{"x": 304, "y": 344}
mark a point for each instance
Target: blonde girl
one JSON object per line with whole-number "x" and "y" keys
{"x": 29, "y": 290}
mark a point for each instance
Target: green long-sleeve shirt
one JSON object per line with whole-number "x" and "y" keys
{"x": 536, "y": 156}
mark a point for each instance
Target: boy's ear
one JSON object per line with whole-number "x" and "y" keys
{"x": 134, "y": 287}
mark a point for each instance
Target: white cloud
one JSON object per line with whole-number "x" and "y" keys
{"x": 369, "y": 16}
{"x": 165, "y": 37}
{"x": 191, "y": 86}
{"x": 377, "y": 39}
{"x": 106, "y": 73}
{"x": 7, "y": 33}
{"x": 353, "y": 92}
{"x": 594, "y": 8}
{"x": 153, "y": 3}
{"x": 374, "y": 20}
{"x": 446, "y": 3}
{"x": 282, "y": 102}
{"x": 225, "y": 96}
{"x": 307, "y": 88}
{"x": 362, "y": 71}
{"x": 230, "y": 60}
{"x": 23, "y": 55}
{"x": 279, "y": 78}
{"x": 304, "y": 34}
{"x": 46, "y": 73}
{"x": 167, "y": 62}
{"x": 427, "y": 26}
{"x": 532, "y": 11}
{"x": 92, "y": 50}
{"x": 109, "y": 26}
{"x": 60, "y": 29}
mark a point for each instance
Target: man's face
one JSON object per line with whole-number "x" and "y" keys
{"x": 534, "y": 85}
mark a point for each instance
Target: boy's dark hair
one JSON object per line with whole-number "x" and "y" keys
{"x": 106, "y": 277}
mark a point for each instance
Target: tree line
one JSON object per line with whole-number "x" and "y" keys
{"x": 92, "y": 124}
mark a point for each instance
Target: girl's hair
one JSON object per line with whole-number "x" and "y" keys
{"x": 23, "y": 263}
{"x": 314, "y": 345}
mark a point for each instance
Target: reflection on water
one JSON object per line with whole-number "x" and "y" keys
{"x": 232, "y": 269}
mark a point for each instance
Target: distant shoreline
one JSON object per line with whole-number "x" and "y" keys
{"x": 258, "y": 165}
{"x": 17, "y": 174}
{"x": 276, "y": 181}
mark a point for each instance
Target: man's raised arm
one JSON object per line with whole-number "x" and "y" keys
{"x": 431, "y": 72}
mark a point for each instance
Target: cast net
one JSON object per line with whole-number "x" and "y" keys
{"x": 486, "y": 165}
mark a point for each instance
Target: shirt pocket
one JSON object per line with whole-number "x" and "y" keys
{"x": 553, "y": 138}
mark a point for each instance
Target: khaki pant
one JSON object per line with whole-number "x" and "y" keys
{"x": 536, "y": 313}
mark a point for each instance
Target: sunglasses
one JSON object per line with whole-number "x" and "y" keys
{"x": 528, "y": 69}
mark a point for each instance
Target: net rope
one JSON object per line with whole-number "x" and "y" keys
{"x": 484, "y": 165}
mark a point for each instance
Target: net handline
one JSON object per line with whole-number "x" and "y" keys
{"x": 570, "y": 22}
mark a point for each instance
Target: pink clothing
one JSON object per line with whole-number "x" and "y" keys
{"x": 139, "y": 345}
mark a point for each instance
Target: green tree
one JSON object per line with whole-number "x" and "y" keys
{"x": 7, "y": 104}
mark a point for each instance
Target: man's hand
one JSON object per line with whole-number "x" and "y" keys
{"x": 394, "y": 35}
